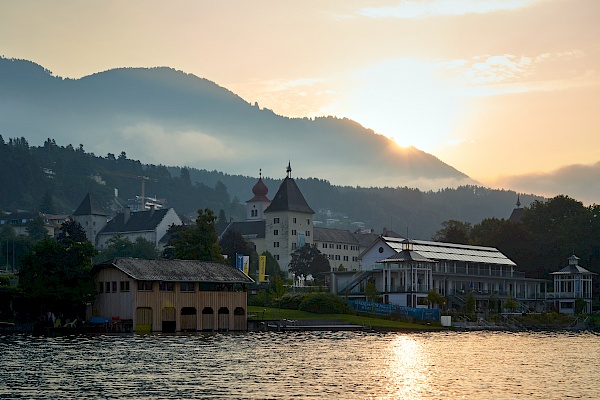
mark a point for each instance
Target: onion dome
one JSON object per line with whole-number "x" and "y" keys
{"x": 260, "y": 190}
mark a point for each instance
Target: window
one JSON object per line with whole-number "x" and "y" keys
{"x": 337, "y": 257}
{"x": 354, "y": 258}
{"x": 145, "y": 285}
{"x": 324, "y": 245}
{"x": 345, "y": 258}
{"x": 114, "y": 287}
{"x": 345, "y": 247}
{"x": 100, "y": 287}
{"x": 294, "y": 232}
{"x": 338, "y": 246}
{"x": 293, "y": 246}
{"x": 275, "y": 232}
{"x": 307, "y": 221}
{"x": 166, "y": 286}
{"x": 124, "y": 286}
{"x": 187, "y": 286}
{"x": 294, "y": 220}
{"x": 307, "y": 233}
{"x": 277, "y": 257}
{"x": 275, "y": 244}
{"x": 275, "y": 220}
{"x": 331, "y": 245}
{"x": 107, "y": 287}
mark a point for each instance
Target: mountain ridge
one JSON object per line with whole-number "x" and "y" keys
{"x": 197, "y": 123}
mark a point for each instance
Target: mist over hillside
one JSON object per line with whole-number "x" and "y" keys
{"x": 168, "y": 117}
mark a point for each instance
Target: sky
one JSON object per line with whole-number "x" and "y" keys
{"x": 506, "y": 91}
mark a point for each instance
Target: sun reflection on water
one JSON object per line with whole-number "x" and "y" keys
{"x": 407, "y": 368}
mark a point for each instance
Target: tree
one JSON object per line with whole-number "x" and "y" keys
{"x": 371, "y": 292}
{"x": 233, "y": 243}
{"x": 580, "y": 305}
{"x": 199, "y": 242}
{"x": 272, "y": 269}
{"x": 510, "y": 304}
{"x": 71, "y": 230}
{"x": 56, "y": 276}
{"x": 120, "y": 246}
{"x": 435, "y": 299}
{"x": 222, "y": 218}
{"x": 36, "y": 229}
{"x": 308, "y": 260}
{"x": 453, "y": 232}
{"x": 47, "y": 205}
{"x": 470, "y": 303}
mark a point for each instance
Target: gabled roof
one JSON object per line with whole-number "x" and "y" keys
{"x": 289, "y": 198}
{"x": 137, "y": 222}
{"x": 333, "y": 235}
{"x": 440, "y": 251}
{"x": 365, "y": 239}
{"x": 248, "y": 229}
{"x": 90, "y": 206}
{"x": 177, "y": 270}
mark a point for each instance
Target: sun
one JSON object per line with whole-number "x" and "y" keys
{"x": 405, "y": 100}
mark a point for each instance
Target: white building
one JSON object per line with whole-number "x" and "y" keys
{"x": 571, "y": 283}
{"x": 456, "y": 270}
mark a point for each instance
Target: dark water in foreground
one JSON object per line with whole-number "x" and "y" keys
{"x": 342, "y": 365}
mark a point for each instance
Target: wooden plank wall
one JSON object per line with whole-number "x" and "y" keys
{"x": 167, "y": 305}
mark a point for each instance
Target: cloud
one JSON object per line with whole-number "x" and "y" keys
{"x": 485, "y": 75}
{"x": 173, "y": 148}
{"x": 432, "y": 8}
{"x": 578, "y": 181}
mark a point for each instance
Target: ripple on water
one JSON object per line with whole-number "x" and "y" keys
{"x": 483, "y": 365}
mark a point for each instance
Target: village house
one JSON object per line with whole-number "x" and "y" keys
{"x": 19, "y": 221}
{"x": 171, "y": 295}
{"x": 151, "y": 225}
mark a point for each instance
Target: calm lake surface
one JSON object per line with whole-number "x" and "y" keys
{"x": 327, "y": 365}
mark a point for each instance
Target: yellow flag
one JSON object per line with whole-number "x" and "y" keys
{"x": 262, "y": 268}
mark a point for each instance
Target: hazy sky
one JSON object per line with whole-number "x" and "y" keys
{"x": 506, "y": 91}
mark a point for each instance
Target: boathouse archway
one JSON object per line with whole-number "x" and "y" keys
{"x": 223, "y": 319}
{"x": 208, "y": 318}
{"x": 189, "y": 320}
{"x": 169, "y": 323}
{"x": 143, "y": 319}
{"x": 239, "y": 319}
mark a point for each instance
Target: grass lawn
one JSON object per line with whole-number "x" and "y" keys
{"x": 373, "y": 322}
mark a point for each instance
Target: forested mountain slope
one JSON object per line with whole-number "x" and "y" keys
{"x": 164, "y": 116}
{"x": 67, "y": 172}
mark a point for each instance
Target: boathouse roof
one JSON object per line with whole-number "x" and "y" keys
{"x": 177, "y": 270}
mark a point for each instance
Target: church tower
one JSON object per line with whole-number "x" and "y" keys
{"x": 288, "y": 222}
{"x": 256, "y": 206}
{"x": 91, "y": 216}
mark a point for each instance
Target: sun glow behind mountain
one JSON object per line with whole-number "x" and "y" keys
{"x": 406, "y": 100}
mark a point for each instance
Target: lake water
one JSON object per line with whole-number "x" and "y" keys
{"x": 326, "y": 365}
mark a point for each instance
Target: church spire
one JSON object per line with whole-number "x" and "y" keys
{"x": 518, "y": 200}
{"x": 289, "y": 169}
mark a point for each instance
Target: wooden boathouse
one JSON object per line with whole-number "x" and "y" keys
{"x": 171, "y": 295}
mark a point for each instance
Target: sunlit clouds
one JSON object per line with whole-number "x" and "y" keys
{"x": 431, "y": 8}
